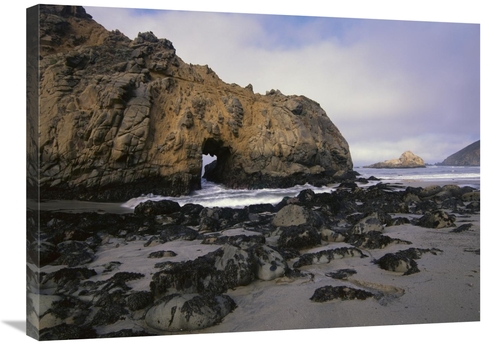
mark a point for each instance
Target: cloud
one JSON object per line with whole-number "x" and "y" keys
{"x": 388, "y": 85}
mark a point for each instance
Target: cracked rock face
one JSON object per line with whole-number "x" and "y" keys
{"x": 118, "y": 113}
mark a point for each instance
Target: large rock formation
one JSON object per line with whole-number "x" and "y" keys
{"x": 120, "y": 118}
{"x": 468, "y": 156}
{"x": 406, "y": 160}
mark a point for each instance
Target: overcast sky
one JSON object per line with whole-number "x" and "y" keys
{"x": 388, "y": 85}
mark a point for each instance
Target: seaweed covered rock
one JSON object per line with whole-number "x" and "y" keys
{"x": 404, "y": 260}
{"x": 299, "y": 237}
{"x": 328, "y": 293}
{"x": 372, "y": 240}
{"x": 216, "y": 272}
{"x": 153, "y": 208}
{"x": 270, "y": 263}
{"x": 436, "y": 219}
{"x": 327, "y": 255}
{"x": 188, "y": 312}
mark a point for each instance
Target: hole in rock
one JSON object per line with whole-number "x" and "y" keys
{"x": 207, "y": 159}
{"x": 215, "y": 157}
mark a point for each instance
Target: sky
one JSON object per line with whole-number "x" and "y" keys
{"x": 388, "y": 85}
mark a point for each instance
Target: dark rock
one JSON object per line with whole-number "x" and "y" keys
{"x": 398, "y": 262}
{"x": 328, "y": 293}
{"x": 191, "y": 214}
{"x": 372, "y": 240}
{"x": 462, "y": 228}
{"x": 220, "y": 218}
{"x": 216, "y": 272}
{"x": 436, "y": 220}
{"x": 162, "y": 254}
{"x": 299, "y": 237}
{"x": 153, "y": 208}
{"x": 424, "y": 206}
{"x": 329, "y": 235}
{"x": 473, "y": 207}
{"x": 66, "y": 279}
{"x": 188, "y": 312}
{"x": 348, "y": 185}
{"x": 306, "y": 196}
{"x": 404, "y": 260}
{"x": 341, "y": 274}
{"x": 74, "y": 253}
{"x": 371, "y": 222}
{"x": 178, "y": 232}
{"x": 261, "y": 208}
{"x": 240, "y": 241}
{"x": 399, "y": 221}
{"x": 65, "y": 332}
{"x": 327, "y": 255}
{"x": 139, "y": 300}
{"x": 109, "y": 314}
{"x": 430, "y": 191}
{"x": 452, "y": 204}
{"x": 287, "y": 253}
{"x": 154, "y": 241}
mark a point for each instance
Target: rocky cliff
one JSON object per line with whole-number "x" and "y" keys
{"x": 468, "y": 156}
{"x": 120, "y": 118}
{"x": 406, "y": 160}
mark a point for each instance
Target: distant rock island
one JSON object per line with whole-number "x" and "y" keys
{"x": 119, "y": 118}
{"x": 407, "y": 160}
{"x": 468, "y": 156}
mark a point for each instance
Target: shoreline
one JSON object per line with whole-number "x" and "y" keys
{"x": 79, "y": 206}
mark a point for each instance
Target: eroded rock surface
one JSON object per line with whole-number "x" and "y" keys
{"x": 121, "y": 117}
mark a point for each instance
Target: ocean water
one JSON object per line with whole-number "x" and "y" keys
{"x": 215, "y": 195}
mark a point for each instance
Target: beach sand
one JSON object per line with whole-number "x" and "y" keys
{"x": 446, "y": 290}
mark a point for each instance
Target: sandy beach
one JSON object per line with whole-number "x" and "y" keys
{"x": 444, "y": 289}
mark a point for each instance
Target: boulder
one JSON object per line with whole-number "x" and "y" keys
{"x": 153, "y": 208}
{"x": 74, "y": 253}
{"x": 188, "y": 312}
{"x": 369, "y": 223}
{"x": 471, "y": 196}
{"x": 270, "y": 263}
{"x": 430, "y": 191}
{"x": 328, "y": 293}
{"x": 294, "y": 215}
{"x": 299, "y": 237}
{"x": 436, "y": 220}
{"x": 403, "y": 261}
{"x": 407, "y": 160}
{"x": 216, "y": 272}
